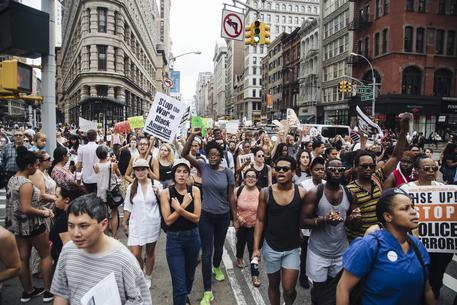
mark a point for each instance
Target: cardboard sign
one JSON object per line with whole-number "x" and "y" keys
{"x": 246, "y": 158}
{"x": 199, "y": 122}
{"x": 85, "y": 125}
{"x": 164, "y": 117}
{"x": 437, "y": 208}
{"x": 136, "y": 121}
{"x": 292, "y": 118}
{"x": 232, "y": 127}
{"x": 366, "y": 124}
{"x": 122, "y": 127}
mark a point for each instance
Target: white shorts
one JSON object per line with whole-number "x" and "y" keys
{"x": 319, "y": 269}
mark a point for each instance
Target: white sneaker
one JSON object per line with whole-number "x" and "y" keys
{"x": 147, "y": 279}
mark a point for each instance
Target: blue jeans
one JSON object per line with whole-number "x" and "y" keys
{"x": 213, "y": 229}
{"x": 182, "y": 254}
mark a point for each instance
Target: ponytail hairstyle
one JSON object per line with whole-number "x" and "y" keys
{"x": 133, "y": 189}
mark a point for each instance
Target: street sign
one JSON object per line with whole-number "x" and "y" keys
{"x": 364, "y": 90}
{"x": 365, "y": 98}
{"x": 167, "y": 82}
{"x": 232, "y": 26}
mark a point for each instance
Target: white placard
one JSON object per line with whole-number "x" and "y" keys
{"x": 105, "y": 292}
{"x": 366, "y": 125}
{"x": 246, "y": 158}
{"x": 164, "y": 117}
{"x": 292, "y": 118}
{"x": 85, "y": 125}
{"x": 232, "y": 127}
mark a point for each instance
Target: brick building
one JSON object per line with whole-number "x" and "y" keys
{"x": 290, "y": 70}
{"x": 411, "y": 45}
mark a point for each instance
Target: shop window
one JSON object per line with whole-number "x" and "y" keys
{"x": 412, "y": 81}
{"x": 442, "y": 82}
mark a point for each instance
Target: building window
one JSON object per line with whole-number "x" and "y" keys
{"x": 253, "y": 92}
{"x": 442, "y": 82}
{"x": 101, "y": 58}
{"x": 384, "y": 41}
{"x": 408, "y": 39}
{"x": 102, "y": 90}
{"x": 439, "y": 45}
{"x": 420, "y": 32}
{"x": 378, "y": 8}
{"x": 254, "y": 82}
{"x": 422, "y": 6}
{"x": 450, "y": 43}
{"x": 412, "y": 81}
{"x": 116, "y": 17}
{"x": 453, "y": 8}
{"x": 88, "y": 56}
{"x": 101, "y": 11}
{"x": 367, "y": 42}
{"x": 376, "y": 44}
{"x": 441, "y": 7}
{"x": 115, "y": 59}
{"x": 410, "y": 5}
{"x": 386, "y": 7}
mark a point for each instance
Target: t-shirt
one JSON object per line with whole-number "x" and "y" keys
{"x": 72, "y": 279}
{"x": 396, "y": 277}
{"x": 366, "y": 201}
{"x": 60, "y": 226}
{"x": 247, "y": 204}
{"x": 215, "y": 185}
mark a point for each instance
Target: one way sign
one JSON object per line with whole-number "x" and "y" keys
{"x": 232, "y": 26}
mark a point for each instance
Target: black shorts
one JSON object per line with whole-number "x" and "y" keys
{"x": 36, "y": 232}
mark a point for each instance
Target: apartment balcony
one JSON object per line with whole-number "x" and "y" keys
{"x": 360, "y": 23}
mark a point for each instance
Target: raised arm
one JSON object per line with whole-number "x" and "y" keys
{"x": 391, "y": 164}
{"x": 186, "y": 150}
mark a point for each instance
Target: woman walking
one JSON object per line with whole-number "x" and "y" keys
{"x": 247, "y": 201}
{"x": 218, "y": 196}
{"x": 162, "y": 166}
{"x": 143, "y": 149}
{"x": 142, "y": 217}
{"x": 263, "y": 171}
{"x": 181, "y": 209}
{"x": 302, "y": 173}
{"x": 26, "y": 220}
{"x": 59, "y": 173}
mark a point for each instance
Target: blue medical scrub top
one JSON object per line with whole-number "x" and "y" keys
{"x": 396, "y": 278}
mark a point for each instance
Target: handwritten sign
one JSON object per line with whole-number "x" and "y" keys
{"x": 437, "y": 208}
{"x": 136, "y": 122}
{"x": 122, "y": 127}
{"x": 245, "y": 158}
{"x": 164, "y": 117}
{"x": 232, "y": 127}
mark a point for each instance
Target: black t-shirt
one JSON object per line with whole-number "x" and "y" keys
{"x": 60, "y": 226}
{"x": 451, "y": 156}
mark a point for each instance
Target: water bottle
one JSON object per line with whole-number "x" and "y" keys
{"x": 255, "y": 263}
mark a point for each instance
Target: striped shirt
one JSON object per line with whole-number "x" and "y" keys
{"x": 366, "y": 201}
{"x": 78, "y": 271}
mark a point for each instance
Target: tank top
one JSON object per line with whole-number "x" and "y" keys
{"x": 330, "y": 241}
{"x": 247, "y": 203}
{"x": 181, "y": 224}
{"x": 400, "y": 179}
{"x": 165, "y": 172}
{"x": 282, "y": 222}
{"x": 262, "y": 181}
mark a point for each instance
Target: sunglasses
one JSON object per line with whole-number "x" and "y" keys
{"x": 406, "y": 161}
{"x": 47, "y": 159}
{"x": 282, "y": 168}
{"x": 260, "y": 156}
{"x": 335, "y": 169}
{"x": 251, "y": 177}
{"x": 366, "y": 166}
{"x": 26, "y": 141}
{"x": 429, "y": 168}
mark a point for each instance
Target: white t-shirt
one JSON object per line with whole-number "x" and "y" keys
{"x": 87, "y": 157}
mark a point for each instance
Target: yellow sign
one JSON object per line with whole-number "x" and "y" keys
{"x": 136, "y": 122}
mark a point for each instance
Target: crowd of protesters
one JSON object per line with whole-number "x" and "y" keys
{"x": 301, "y": 206}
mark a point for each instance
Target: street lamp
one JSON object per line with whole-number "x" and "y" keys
{"x": 373, "y": 81}
{"x": 193, "y": 52}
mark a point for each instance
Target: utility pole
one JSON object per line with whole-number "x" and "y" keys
{"x": 48, "y": 76}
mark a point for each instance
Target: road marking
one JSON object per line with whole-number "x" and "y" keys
{"x": 450, "y": 282}
{"x": 231, "y": 238}
{"x": 236, "y": 288}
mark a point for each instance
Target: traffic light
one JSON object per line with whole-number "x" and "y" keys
{"x": 264, "y": 33}
{"x": 257, "y": 31}
{"x": 348, "y": 87}
{"x": 249, "y": 35}
{"x": 15, "y": 76}
{"x": 342, "y": 86}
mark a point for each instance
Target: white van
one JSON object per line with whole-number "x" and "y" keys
{"x": 330, "y": 131}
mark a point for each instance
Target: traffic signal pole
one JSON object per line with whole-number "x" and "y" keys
{"x": 48, "y": 81}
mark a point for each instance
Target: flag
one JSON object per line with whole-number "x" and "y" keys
{"x": 365, "y": 124}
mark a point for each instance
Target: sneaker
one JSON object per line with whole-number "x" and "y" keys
{"x": 48, "y": 297}
{"x": 26, "y": 297}
{"x": 147, "y": 279}
{"x": 207, "y": 298}
{"x": 218, "y": 274}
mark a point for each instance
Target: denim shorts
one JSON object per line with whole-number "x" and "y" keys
{"x": 273, "y": 260}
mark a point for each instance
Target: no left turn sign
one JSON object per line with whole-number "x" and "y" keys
{"x": 232, "y": 26}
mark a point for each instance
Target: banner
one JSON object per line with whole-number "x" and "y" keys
{"x": 85, "y": 125}
{"x": 366, "y": 124}
{"x": 164, "y": 117}
{"x": 437, "y": 208}
{"x": 136, "y": 122}
{"x": 292, "y": 118}
{"x": 122, "y": 127}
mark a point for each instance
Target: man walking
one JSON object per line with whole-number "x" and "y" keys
{"x": 90, "y": 249}
{"x": 280, "y": 204}
{"x": 9, "y": 155}
{"x": 86, "y": 161}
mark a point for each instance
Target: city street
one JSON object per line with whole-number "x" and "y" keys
{"x": 236, "y": 289}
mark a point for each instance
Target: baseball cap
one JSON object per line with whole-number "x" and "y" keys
{"x": 181, "y": 161}
{"x": 140, "y": 163}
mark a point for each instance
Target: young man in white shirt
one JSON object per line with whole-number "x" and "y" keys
{"x": 86, "y": 161}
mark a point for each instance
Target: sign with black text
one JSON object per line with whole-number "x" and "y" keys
{"x": 164, "y": 117}
{"x": 437, "y": 208}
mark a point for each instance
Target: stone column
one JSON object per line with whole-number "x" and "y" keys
{"x": 93, "y": 20}
{"x": 84, "y": 92}
{"x": 111, "y": 91}
{"x": 93, "y": 91}
{"x": 120, "y": 61}
{"x": 85, "y": 59}
{"x": 120, "y": 26}
{"x": 85, "y": 23}
{"x": 93, "y": 58}
{"x": 110, "y": 59}
{"x": 110, "y": 21}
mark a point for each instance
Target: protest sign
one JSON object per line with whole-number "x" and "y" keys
{"x": 136, "y": 122}
{"x": 245, "y": 158}
{"x": 122, "y": 127}
{"x": 106, "y": 292}
{"x": 164, "y": 117}
{"x": 184, "y": 124}
{"x": 365, "y": 124}
{"x": 231, "y": 127}
{"x": 199, "y": 122}
{"x": 437, "y": 208}
{"x": 292, "y": 118}
{"x": 85, "y": 125}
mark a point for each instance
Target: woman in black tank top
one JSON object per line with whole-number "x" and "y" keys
{"x": 263, "y": 170}
{"x": 181, "y": 208}
{"x": 162, "y": 166}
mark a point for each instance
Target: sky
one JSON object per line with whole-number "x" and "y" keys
{"x": 194, "y": 26}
